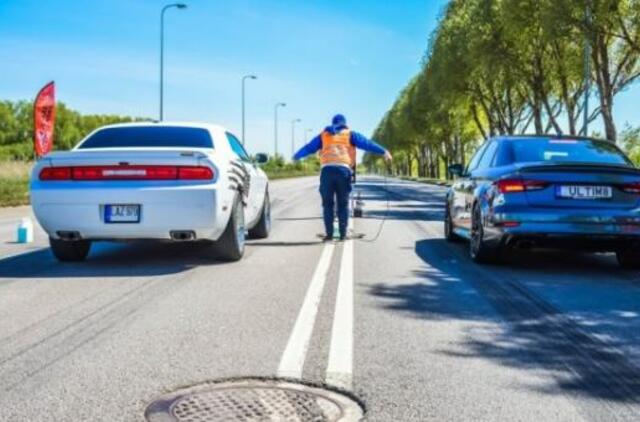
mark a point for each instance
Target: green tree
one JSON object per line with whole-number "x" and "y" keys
{"x": 497, "y": 67}
{"x": 16, "y": 128}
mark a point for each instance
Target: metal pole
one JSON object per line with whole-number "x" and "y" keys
{"x": 587, "y": 69}
{"x": 275, "y": 126}
{"x": 162, "y": 58}
{"x": 293, "y": 135}
{"x": 164, "y": 9}
{"x": 244, "y": 78}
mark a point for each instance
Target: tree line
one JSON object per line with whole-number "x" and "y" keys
{"x": 16, "y": 140}
{"x": 496, "y": 67}
{"x": 16, "y": 128}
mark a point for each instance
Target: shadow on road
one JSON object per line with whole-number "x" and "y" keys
{"x": 538, "y": 335}
{"x": 112, "y": 260}
{"x": 424, "y": 213}
{"x": 405, "y": 203}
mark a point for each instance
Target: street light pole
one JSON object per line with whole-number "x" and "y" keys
{"x": 244, "y": 78}
{"x": 164, "y": 9}
{"x": 293, "y": 135}
{"x": 275, "y": 126}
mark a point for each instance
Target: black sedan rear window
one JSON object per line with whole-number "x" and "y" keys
{"x": 149, "y": 137}
{"x": 565, "y": 151}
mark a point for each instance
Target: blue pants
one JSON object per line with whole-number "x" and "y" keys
{"x": 335, "y": 186}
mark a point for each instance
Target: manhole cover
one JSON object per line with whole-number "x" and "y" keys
{"x": 252, "y": 401}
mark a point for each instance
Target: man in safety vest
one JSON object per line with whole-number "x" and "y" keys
{"x": 337, "y": 144}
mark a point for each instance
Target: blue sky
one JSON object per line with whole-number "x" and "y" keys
{"x": 320, "y": 57}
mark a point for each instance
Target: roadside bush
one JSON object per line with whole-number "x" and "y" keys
{"x": 14, "y": 182}
{"x": 277, "y": 168}
{"x": 22, "y": 151}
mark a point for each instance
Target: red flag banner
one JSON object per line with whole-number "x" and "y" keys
{"x": 44, "y": 119}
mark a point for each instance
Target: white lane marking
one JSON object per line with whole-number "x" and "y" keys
{"x": 294, "y": 355}
{"x": 340, "y": 365}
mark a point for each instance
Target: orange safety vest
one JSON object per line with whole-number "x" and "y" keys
{"x": 337, "y": 149}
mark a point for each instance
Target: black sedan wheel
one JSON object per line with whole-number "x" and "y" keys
{"x": 479, "y": 250}
{"x": 629, "y": 258}
{"x": 449, "y": 234}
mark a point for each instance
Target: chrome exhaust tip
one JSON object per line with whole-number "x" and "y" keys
{"x": 68, "y": 235}
{"x": 182, "y": 235}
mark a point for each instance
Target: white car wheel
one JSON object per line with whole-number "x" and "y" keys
{"x": 230, "y": 246}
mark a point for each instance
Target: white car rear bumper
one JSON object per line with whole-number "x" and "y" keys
{"x": 70, "y": 207}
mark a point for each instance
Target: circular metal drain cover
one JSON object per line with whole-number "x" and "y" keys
{"x": 254, "y": 400}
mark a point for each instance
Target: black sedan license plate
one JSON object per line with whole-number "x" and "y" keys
{"x": 122, "y": 213}
{"x": 584, "y": 192}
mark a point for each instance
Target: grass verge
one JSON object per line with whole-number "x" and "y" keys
{"x": 287, "y": 174}
{"x": 14, "y": 183}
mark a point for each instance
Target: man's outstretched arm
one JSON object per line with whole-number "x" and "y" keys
{"x": 362, "y": 142}
{"x": 312, "y": 147}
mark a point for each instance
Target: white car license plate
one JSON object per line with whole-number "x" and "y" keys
{"x": 585, "y": 192}
{"x": 126, "y": 213}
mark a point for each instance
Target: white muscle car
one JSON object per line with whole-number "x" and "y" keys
{"x": 172, "y": 181}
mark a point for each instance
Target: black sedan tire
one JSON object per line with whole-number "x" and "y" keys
{"x": 70, "y": 250}
{"x": 629, "y": 257}
{"x": 479, "y": 250}
{"x": 449, "y": 234}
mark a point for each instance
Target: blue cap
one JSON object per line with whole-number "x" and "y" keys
{"x": 339, "y": 120}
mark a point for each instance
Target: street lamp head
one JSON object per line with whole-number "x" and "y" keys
{"x": 253, "y": 77}
{"x": 297, "y": 120}
{"x": 181, "y": 5}
{"x": 281, "y": 105}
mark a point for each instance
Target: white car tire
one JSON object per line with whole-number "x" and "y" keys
{"x": 231, "y": 245}
{"x": 262, "y": 229}
{"x": 70, "y": 250}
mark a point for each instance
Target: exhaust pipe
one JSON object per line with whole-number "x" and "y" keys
{"x": 182, "y": 235}
{"x": 68, "y": 235}
{"x": 525, "y": 244}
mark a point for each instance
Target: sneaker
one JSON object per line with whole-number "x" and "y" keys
{"x": 327, "y": 239}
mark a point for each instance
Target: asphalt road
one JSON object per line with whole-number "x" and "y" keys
{"x": 406, "y": 322}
